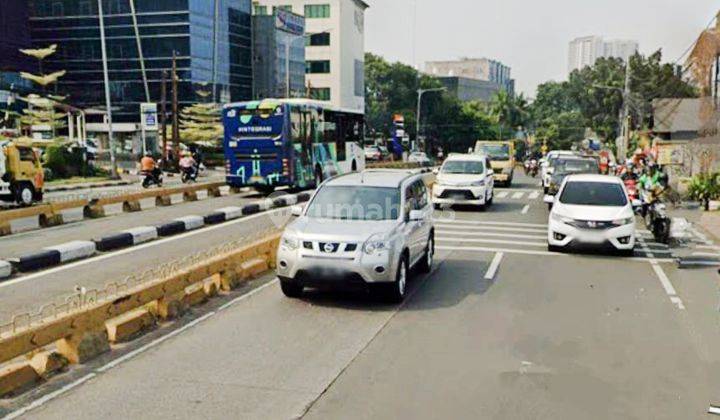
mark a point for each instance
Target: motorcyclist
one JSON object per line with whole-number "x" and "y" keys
{"x": 188, "y": 165}
{"x": 149, "y": 168}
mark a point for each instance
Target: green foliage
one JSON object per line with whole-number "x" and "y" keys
{"x": 704, "y": 187}
{"x": 510, "y": 112}
{"x": 593, "y": 98}
{"x": 60, "y": 162}
{"x": 201, "y": 123}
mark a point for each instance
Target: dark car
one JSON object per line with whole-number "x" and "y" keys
{"x": 571, "y": 166}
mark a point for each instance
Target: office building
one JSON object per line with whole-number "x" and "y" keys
{"x": 466, "y": 89}
{"x": 585, "y": 51}
{"x": 335, "y": 48}
{"x": 279, "y": 49}
{"x": 478, "y": 69}
{"x": 212, "y": 40}
{"x": 14, "y": 35}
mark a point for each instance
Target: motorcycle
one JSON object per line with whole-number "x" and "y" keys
{"x": 657, "y": 220}
{"x": 534, "y": 168}
{"x": 152, "y": 178}
{"x": 189, "y": 174}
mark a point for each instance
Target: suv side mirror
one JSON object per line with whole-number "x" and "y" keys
{"x": 296, "y": 211}
{"x": 436, "y": 171}
{"x": 549, "y": 199}
{"x": 416, "y": 215}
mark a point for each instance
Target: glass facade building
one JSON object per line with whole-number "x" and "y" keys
{"x": 274, "y": 36}
{"x": 211, "y": 38}
{"x": 14, "y": 35}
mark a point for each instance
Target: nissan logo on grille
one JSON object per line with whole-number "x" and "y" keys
{"x": 329, "y": 248}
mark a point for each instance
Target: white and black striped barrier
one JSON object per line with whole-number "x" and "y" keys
{"x": 71, "y": 251}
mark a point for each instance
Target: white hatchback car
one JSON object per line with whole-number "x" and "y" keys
{"x": 464, "y": 179}
{"x": 591, "y": 210}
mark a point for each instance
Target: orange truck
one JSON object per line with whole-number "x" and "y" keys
{"x": 21, "y": 174}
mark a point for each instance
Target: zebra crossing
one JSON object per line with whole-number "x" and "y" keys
{"x": 517, "y": 195}
{"x": 525, "y": 238}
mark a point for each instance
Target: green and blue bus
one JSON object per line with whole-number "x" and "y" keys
{"x": 296, "y": 143}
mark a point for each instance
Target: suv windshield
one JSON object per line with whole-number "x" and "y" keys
{"x": 356, "y": 203}
{"x": 593, "y": 194}
{"x": 463, "y": 167}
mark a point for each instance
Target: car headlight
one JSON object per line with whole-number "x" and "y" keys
{"x": 376, "y": 243}
{"x": 290, "y": 242}
{"x": 623, "y": 222}
{"x": 562, "y": 219}
{"x": 480, "y": 183}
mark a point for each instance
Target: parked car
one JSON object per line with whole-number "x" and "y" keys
{"x": 465, "y": 179}
{"x": 591, "y": 210}
{"x": 365, "y": 229}
{"x": 419, "y": 157}
{"x": 565, "y": 166}
{"x": 373, "y": 153}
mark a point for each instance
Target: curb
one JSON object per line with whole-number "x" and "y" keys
{"x": 76, "y": 250}
{"x": 88, "y": 186}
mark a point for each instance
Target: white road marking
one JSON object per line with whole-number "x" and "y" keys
{"x": 494, "y": 265}
{"x": 542, "y": 253}
{"x": 714, "y": 410}
{"x": 534, "y": 195}
{"x": 470, "y": 222}
{"x": 502, "y": 194}
{"x": 518, "y": 195}
{"x": 706, "y": 254}
{"x": 525, "y": 209}
{"x": 496, "y": 228}
{"x": 459, "y": 233}
{"x": 51, "y": 396}
{"x": 490, "y": 241}
{"x": 137, "y": 248}
{"x": 667, "y": 285}
{"x": 711, "y": 247}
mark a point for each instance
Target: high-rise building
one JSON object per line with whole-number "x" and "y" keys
{"x": 335, "y": 48}
{"x": 585, "y": 51}
{"x": 484, "y": 69}
{"x": 14, "y": 35}
{"x": 211, "y": 38}
{"x": 279, "y": 50}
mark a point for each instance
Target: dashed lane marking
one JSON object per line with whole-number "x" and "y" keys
{"x": 518, "y": 195}
{"x": 494, "y": 266}
{"x": 534, "y": 195}
{"x": 489, "y": 241}
{"x": 502, "y": 194}
{"x": 472, "y": 228}
{"x": 525, "y": 209}
{"x": 461, "y": 233}
{"x": 470, "y": 222}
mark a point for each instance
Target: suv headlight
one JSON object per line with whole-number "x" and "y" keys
{"x": 562, "y": 219}
{"x": 290, "y": 242}
{"x": 623, "y": 222}
{"x": 480, "y": 183}
{"x": 376, "y": 243}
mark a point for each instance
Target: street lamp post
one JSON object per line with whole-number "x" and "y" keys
{"x": 108, "y": 103}
{"x": 421, "y": 92}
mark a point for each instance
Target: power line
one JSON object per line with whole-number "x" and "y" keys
{"x": 691, "y": 46}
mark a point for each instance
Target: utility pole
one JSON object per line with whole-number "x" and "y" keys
{"x": 108, "y": 102}
{"x": 622, "y": 152}
{"x": 163, "y": 116}
{"x": 175, "y": 126}
{"x": 421, "y": 92}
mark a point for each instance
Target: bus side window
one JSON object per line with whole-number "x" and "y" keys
{"x": 295, "y": 122}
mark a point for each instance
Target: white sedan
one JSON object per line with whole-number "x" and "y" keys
{"x": 591, "y": 210}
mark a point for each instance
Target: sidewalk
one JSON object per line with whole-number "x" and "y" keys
{"x": 710, "y": 221}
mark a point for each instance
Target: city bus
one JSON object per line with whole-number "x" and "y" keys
{"x": 296, "y": 143}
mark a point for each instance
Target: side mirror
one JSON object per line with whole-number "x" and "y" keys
{"x": 416, "y": 215}
{"x": 551, "y": 170}
{"x": 436, "y": 171}
{"x": 296, "y": 211}
{"x": 490, "y": 172}
{"x": 636, "y": 203}
{"x": 549, "y": 199}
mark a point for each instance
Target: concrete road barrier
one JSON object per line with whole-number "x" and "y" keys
{"x": 112, "y": 242}
{"x": 170, "y": 229}
{"x": 191, "y": 222}
{"x": 6, "y": 269}
{"x": 83, "y": 331}
{"x": 75, "y": 250}
{"x": 250, "y": 209}
{"x": 143, "y": 234}
{"x": 38, "y": 260}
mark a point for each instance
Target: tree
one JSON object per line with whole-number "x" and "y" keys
{"x": 510, "y": 111}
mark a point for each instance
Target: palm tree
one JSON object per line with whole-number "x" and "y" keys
{"x": 509, "y": 111}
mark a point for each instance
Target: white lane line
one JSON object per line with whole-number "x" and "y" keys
{"x": 525, "y": 209}
{"x": 462, "y": 233}
{"x": 518, "y": 195}
{"x": 534, "y": 195}
{"x": 495, "y": 228}
{"x": 489, "y": 241}
{"x": 51, "y": 396}
{"x": 137, "y": 248}
{"x": 710, "y": 247}
{"x": 706, "y": 254}
{"x": 714, "y": 410}
{"x": 494, "y": 265}
{"x": 502, "y": 194}
{"x": 470, "y": 222}
{"x": 540, "y": 253}
{"x": 667, "y": 285}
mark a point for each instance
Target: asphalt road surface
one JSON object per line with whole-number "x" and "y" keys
{"x": 501, "y": 329}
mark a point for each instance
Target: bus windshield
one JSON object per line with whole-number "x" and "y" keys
{"x": 496, "y": 151}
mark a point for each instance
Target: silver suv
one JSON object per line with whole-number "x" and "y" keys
{"x": 362, "y": 230}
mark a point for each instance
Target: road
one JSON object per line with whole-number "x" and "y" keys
{"x": 500, "y": 329}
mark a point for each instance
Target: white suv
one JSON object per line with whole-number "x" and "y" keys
{"x": 363, "y": 230}
{"x": 465, "y": 179}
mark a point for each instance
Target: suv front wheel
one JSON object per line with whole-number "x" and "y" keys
{"x": 425, "y": 265}
{"x": 396, "y": 290}
{"x": 291, "y": 289}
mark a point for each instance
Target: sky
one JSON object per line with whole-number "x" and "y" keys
{"x": 531, "y": 36}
